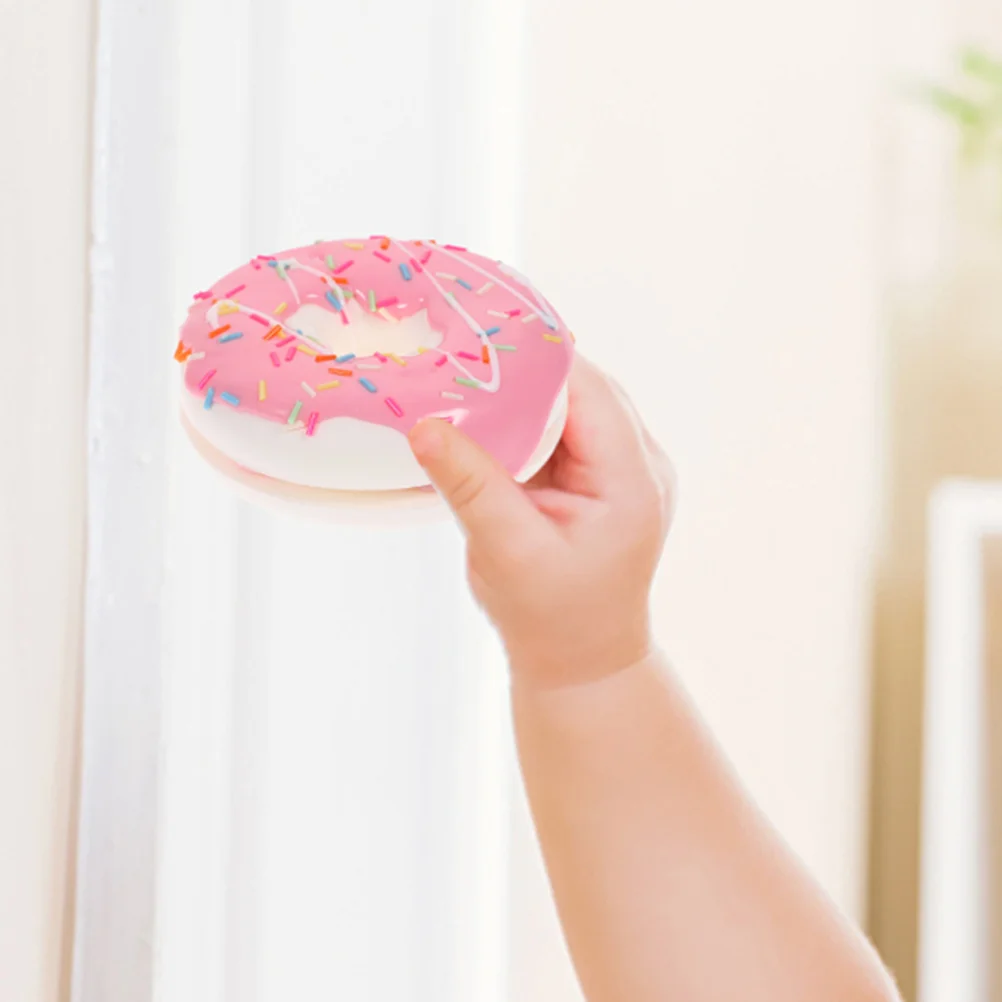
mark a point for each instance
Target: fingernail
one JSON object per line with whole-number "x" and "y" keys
{"x": 426, "y": 440}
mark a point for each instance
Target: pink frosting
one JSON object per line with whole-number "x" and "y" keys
{"x": 479, "y": 305}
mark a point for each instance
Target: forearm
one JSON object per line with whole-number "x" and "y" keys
{"x": 670, "y": 884}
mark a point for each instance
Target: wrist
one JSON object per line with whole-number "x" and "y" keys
{"x": 570, "y": 662}
{"x": 607, "y": 700}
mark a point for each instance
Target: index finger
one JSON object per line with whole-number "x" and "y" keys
{"x": 603, "y": 440}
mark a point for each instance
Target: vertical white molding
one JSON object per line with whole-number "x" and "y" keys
{"x": 486, "y": 166}
{"x": 133, "y": 141}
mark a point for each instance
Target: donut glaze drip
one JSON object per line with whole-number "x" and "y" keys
{"x": 266, "y": 341}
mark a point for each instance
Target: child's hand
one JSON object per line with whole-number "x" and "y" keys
{"x": 668, "y": 881}
{"x": 563, "y": 566}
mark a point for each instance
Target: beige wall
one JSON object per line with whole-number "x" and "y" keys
{"x": 44, "y": 117}
{"x": 944, "y": 314}
{"x": 702, "y": 208}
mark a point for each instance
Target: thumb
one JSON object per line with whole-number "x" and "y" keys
{"x": 485, "y": 499}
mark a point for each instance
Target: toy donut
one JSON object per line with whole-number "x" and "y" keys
{"x": 311, "y": 366}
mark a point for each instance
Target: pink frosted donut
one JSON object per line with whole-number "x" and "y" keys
{"x": 312, "y": 365}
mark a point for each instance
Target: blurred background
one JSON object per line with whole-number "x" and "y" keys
{"x": 779, "y": 225}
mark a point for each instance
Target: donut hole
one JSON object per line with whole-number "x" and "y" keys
{"x": 367, "y": 334}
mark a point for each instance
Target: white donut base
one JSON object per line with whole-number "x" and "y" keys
{"x": 381, "y": 507}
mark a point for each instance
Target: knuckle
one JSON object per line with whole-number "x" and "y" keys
{"x": 649, "y": 504}
{"x": 467, "y": 490}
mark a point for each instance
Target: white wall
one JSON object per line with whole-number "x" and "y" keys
{"x": 702, "y": 209}
{"x": 44, "y": 196}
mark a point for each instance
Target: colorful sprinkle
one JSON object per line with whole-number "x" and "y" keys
{"x": 514, "y": 313}
{"x": 498, "y": 314}
{"x": 275, "y": 359}
{"x": 345, "y": 358}
{"x": 426, "y": 258}
{"x": 262, "y": 390}
{"x": 197, "y": 357}
{"x": 382, "y": 358}
{"x": 453, "y": 396}
{"x": 342, "y": 372}
{"x": 394, "y": 406}
{"x": 309, "y": 389}
{"x": 281, "y": 308}
{"x": 325, "y": 358}
{"x": 311, "y": 426}
{"x": 464, "y": 284}
{"x": 259, "y": 320}
{"x": 209, "y": 398}
{"x": 234, "y": 292}
{"x": 530, "y": 318}
{"x": 275, "y": 332}
{"x": 550, "y": 337}
{"x": 470, "y": 356}
{"x": 225, "y": 309}
{"x": 406, "y": 272}
{"x": 416, "y": 265}
{"x": 180, "y": 352}
{"x": 372, "y": 300}
{"x": 282, "y": 270}
{"x": 329, "y": 261}
{"x": 368, "y": 385}
{"x": 343, "y": 268}
{"x": 505, "y": 347}
{"x": 384, "y": 303}
{"x": 333, "y": 300}
{"x": 447, "y": 276}
{"x": 295, "y": 412}
{"x": 366, "y": 365}
{"x": 329, "y": 386}
{"x": 285, "y": 341}
{"x": 492, "y": 331}
{"x": 355, "y": 246}
{"x": 203, "y": 295}
{"x": 442, "y": 360}
{"x": 484, "y": 289}
{"x": 463, "y": 381}
{"x": 206, "y": 379}
{"x": 485, "y": 356}
{"x": 219, "y": 330}
{"x": 230, "y": 399}
{"x": 305, "y": 350}
{"x": 382, "y": 256}
{"x": 290, "y": 354}
{"x": 453, "y": 247}
{"x": 235, "y": 336}
{"x": 386, "y": 315}
{"x": 398, "y": 360}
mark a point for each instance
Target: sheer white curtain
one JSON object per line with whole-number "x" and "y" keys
{"x": 297, "y": 769}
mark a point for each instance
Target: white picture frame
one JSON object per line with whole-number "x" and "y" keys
{"x": 955, "y": 935}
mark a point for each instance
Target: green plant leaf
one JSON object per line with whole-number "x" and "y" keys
{"x": 963, "y": 110}
{"x": 981, "y": 65}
